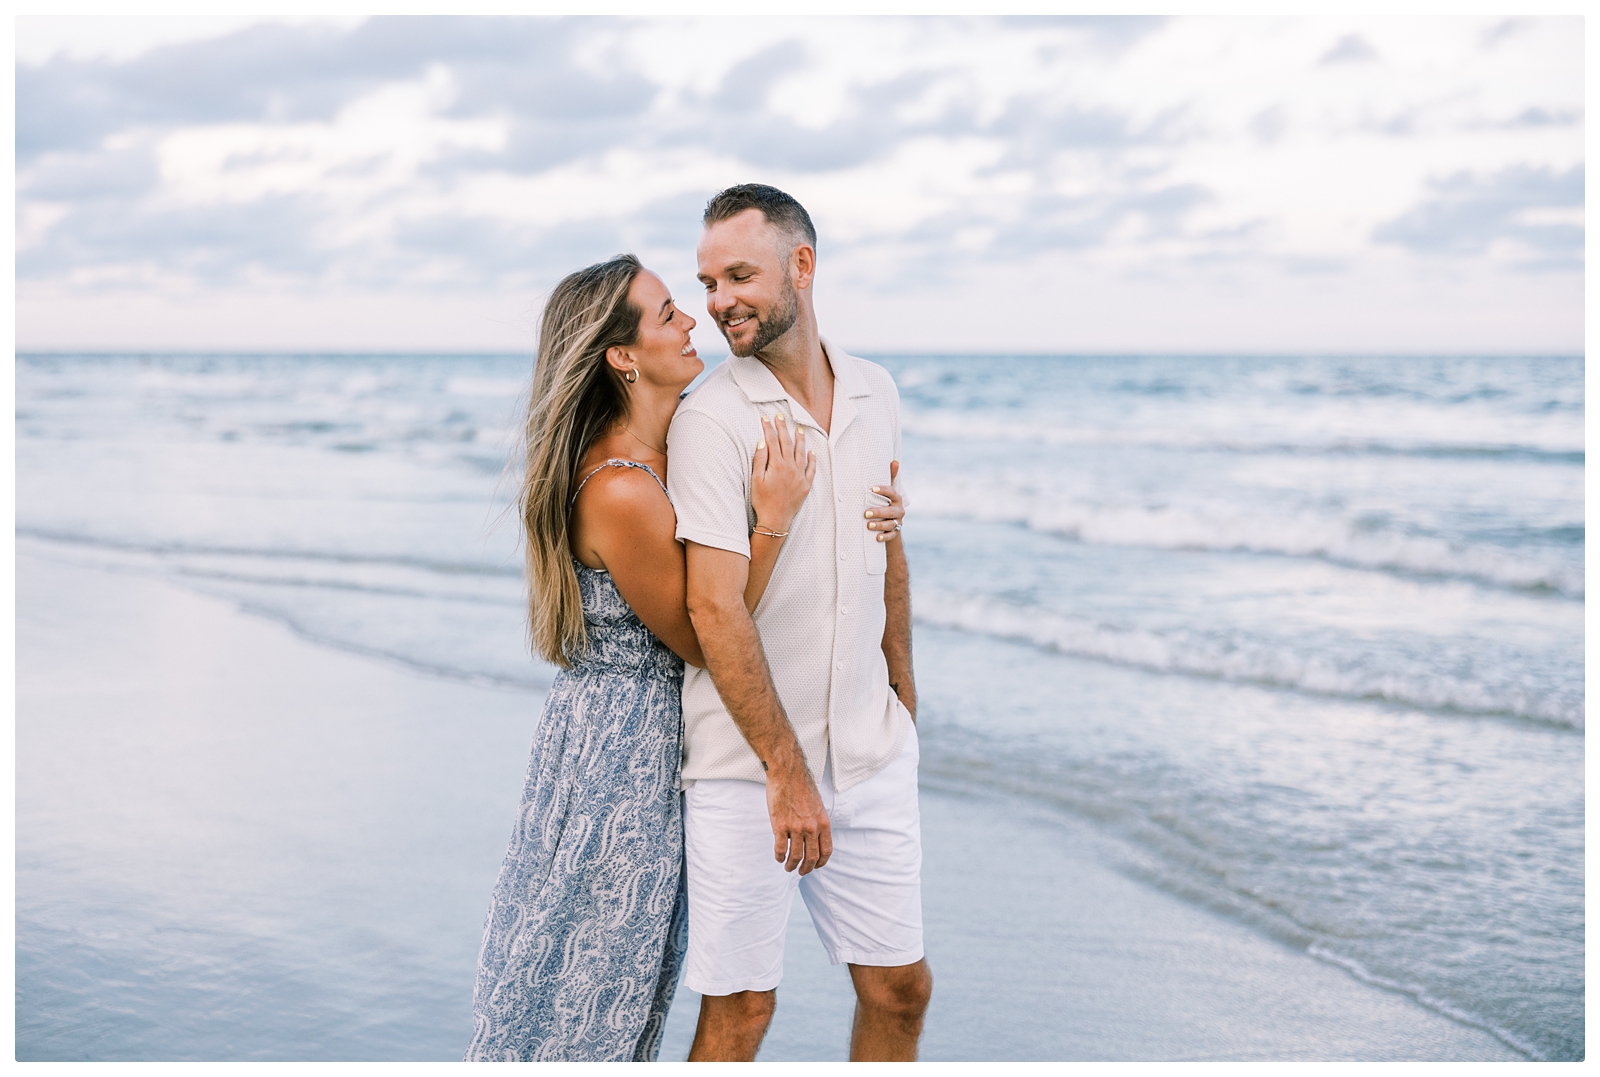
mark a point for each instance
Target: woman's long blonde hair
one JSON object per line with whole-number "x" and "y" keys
{"x": 576, "y": 396}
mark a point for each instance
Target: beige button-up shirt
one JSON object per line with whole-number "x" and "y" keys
{"x": 821, "y": 618}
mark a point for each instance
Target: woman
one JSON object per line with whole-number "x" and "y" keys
{"x": 587, "y": 925}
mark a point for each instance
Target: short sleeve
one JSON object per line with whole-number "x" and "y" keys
{"x": 709, "y": 479}
{"x": 894, "y": 414}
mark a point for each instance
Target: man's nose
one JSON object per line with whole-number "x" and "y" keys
{"x": 718, "y": 299}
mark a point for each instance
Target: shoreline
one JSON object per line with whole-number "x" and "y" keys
{"x": 310, "y": 836}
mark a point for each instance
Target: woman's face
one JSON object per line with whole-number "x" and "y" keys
{"x": 662, "y": 354}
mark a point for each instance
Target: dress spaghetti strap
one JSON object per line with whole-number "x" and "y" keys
{"x": 616, "y": 463}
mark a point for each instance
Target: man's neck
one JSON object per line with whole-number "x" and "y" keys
{"x": 797, "y": 360}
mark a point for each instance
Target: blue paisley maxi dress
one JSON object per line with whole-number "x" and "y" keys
{"x": 588, "y": 923}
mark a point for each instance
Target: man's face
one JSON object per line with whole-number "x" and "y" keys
{"x": 749, "y": 292}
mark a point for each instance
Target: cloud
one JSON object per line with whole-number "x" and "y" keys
{"x": 739, "y": 123}
{"x": 1113, "y": 33}
{"x": 285, "y": 74}
{"x": 101, "y": 245}
{"x": 260, "y": 73}
{"x": 469, "y": 252}
{"x": 746, "y": 85}
{"x": 1065, "y": 222}
{"x": 1350, "y": 49}
{"x": 461, "y": 154}
{"x": 1537, "y": 210}
{"x": 126, "y": 172}
{"x": 1545, "y": 117}
{"x": 269, "y": 110}
{"x": 1269, "y": 124}
{"x": 1035, "y": 129}
{"x": 1503, "y": 31}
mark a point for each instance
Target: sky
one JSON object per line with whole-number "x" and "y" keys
{"x": 1031, "y": 184}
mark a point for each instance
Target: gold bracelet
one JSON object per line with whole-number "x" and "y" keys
{"x": 768, "y": 532}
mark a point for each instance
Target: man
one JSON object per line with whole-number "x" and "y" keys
{"x": 800, "y": 749}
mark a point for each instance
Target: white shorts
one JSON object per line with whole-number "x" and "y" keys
{"x": 866, "y": 901}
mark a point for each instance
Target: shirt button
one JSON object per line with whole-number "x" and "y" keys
{"x": 840, "y": 497}
{"x": 841, "y": 557}
{"x": 838, "y": 665}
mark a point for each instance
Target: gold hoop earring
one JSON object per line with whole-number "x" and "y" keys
{"x": 631, "y": 370}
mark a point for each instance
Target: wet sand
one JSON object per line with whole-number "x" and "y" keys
{"x": 236, "y": 844}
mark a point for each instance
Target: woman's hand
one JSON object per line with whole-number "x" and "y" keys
{"x": 885, "y": 519}
{"x": 780, "y": 475}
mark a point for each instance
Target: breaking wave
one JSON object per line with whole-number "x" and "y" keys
{"x": 1562, "y": 444}
{"x": 1345, "y": 542}
{"x": 1241, "y": 662}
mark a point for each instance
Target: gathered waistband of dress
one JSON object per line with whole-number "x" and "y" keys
{"x": 650, "y": 667}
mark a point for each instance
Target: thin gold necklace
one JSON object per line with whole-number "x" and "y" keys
{"x": 642, "y": 441}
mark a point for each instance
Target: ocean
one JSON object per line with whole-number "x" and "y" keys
{"x": 1299, "y": 638}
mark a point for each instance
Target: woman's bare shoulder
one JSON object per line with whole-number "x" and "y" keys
{"x": 623, "y": 492}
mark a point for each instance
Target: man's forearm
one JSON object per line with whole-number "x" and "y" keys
{"x": 897, "y": 626}
{"x": 739, "y": 670}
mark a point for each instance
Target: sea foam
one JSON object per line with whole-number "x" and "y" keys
{"x": 1413, "y": 431}
{"x": 1237, "y": 660}
{"x": 1344, "y": 541}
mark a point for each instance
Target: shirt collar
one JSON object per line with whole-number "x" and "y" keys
{"x": 760, "y": 385}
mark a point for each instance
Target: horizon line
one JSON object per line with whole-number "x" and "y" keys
{"x": 1088, "y": 353}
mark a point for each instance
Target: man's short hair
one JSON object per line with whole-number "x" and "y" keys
{"x": 781, "y": 211}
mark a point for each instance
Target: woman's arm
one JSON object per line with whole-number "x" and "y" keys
{"x": 622, "y": 522}
{"x": 764, "y": 550}
{"x": 780, "y": 478}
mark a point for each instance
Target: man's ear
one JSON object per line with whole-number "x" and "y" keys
{"x": 802, "y": 265}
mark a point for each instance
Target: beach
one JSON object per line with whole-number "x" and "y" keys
{"x": 1251, "y": 705}
{"x": 236, "y": 844}
{"x": 1234, "y": 370}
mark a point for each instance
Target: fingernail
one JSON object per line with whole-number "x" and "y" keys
{"x": 869, "y": 514}
{"x": 762, "y": 444}
{"x": 876, "y": 490}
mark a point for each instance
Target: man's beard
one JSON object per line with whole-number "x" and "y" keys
{"x": 770, "y": 329}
